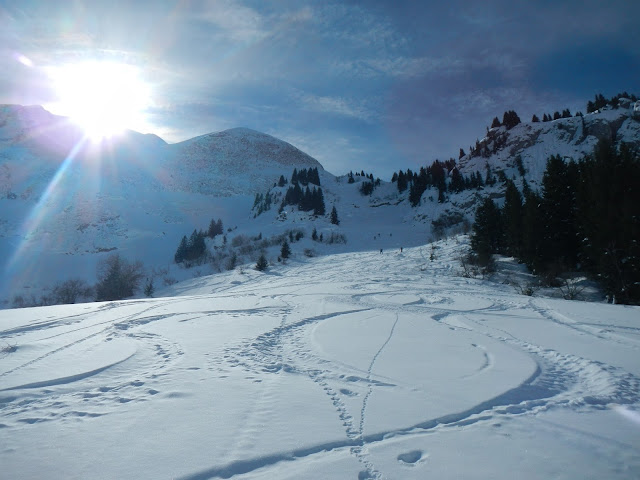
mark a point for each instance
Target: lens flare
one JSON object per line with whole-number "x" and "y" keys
{"x": 103, "y": 98}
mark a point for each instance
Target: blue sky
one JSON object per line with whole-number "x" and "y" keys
{"x": 373, "y": 85}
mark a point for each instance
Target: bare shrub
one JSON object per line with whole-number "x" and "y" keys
{"x": 570, "y": 289}
{"x": 336, "y": 238}
{"x": 20, "y": 301}
{"x": 239, "y": 240}
{"x": 247, "y": 249}
{"x": 70, "y": 291}
{"x": 474, "y": 265}
{"x": 168, "y": 281}
{"x": 528, "y": 289}
{"x": 117, "y": 278}
{"x": 232, "y": 262}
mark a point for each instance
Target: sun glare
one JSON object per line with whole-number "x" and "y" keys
{"x": 103, "y": 98}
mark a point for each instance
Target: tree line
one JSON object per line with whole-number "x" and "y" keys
{"x": 444, "y": 176}
{"x": 585, "y": 218}
{"x": 193, "y": 248}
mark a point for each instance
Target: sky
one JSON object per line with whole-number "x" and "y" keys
{"x": 373, "y": 85}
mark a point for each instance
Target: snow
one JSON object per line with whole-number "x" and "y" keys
{"x": 351, "y": 365}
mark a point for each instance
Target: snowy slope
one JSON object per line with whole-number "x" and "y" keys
{"x": 66, "y": 202}
{"x": 63, "y": 208}
{"x": 357, "y": 365}
{"x": 572, "y": 137}
{"x": 235, "y": 162}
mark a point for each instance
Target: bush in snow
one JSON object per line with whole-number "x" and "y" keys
{"x": 117, "y": 278}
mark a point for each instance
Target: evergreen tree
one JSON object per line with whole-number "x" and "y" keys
{"x": 461, "y": 154}
{"x": 314, "y": 234}
{"x": 314, "y": 176}
{"x": 334, "y": 216}
{"x": 262, "y": 264}
{"x": 532, "y": 231}
{"x": 486, "y": 237}
{"x": 457, "y": 181}
{"x": 535, "y": 118}
{"x": 285, "y": 251}
{"x": 512, "y": 219}
{"x": 560, "y": 245}
{"x": 510, "y": 119}
{"x": 495, "y": 123}
{"x": 181, "y": 253}
{"x": 319, "y": 208}
{"x": 366, "y": 188}
{"x": 608, "y": 201}
{"x": 556, "y": 115}
{"x": 282, "y": 182}
{"x": 402, "y": 182}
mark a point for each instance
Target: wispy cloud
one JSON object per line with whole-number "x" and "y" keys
{"x": 237, "y": 22}
{"x": 335, "y": 105}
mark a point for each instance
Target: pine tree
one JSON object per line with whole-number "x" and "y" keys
{"x": 402, "y": 182}
{"x": 319, "y": 208}
{"x": 314, "y": 234}
{"x": 532, "y": 230}
{"x": 149, "y": 288}
{"x": 182, "y": 250}
{"x": 282, "y": 182}
{"x": 486, "y": 237}
{"x": 512, "y": 219}
{"x": 495, "y": 123}
{"x": 510, "y": 119}
{"x": 334, "y": 216}
{"x": 262, "y": 264}
{"x": 560, "y": 245}
{"x": 608, "y": 214}
{"x": 285, "y": 251}
{"x": 535, "y": 118}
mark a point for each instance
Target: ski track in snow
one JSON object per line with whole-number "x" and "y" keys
{"x": 560, "y": 380}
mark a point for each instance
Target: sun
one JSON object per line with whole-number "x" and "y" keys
{"x": 103, "y": 98}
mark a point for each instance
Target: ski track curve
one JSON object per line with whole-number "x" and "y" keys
{"x": 91, "y": 395}
{"x": 559, "y": 380}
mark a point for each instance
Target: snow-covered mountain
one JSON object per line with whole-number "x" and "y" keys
{"x": 234, "y": 162}
{"x": 65, "y": 203}
{"x": 535, "y": 142}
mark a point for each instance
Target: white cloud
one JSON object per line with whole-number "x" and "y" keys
{"x": 239, "y": 22}
{"x": 335, "y": 105}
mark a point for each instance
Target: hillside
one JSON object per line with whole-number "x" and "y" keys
{"x": 66, "y": 205}
{"x": 535, "y": 142}
{"x": 357, "y": 365}
{"x": 66, "y": 202}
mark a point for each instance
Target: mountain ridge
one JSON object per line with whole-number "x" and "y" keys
{"x": 60, "y": 216}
